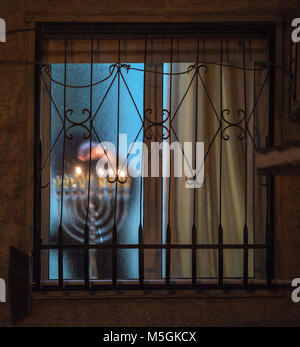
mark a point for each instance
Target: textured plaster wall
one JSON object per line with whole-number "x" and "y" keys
{"x": 16, "y": 158}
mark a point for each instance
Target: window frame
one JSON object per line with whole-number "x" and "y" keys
{"x": 212, "y": 29}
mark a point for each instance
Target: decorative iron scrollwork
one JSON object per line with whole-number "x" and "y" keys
{"x": 148, "y": 134}
{"x": 240, "y": 113}
{"x": 77, "y": 124}
{"x": 117, "y": 178}
{"x": 112, "y": 67}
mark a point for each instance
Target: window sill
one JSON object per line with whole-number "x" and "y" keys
{"x": 278, "y": 289}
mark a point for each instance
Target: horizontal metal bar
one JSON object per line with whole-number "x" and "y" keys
{"x": 211, "y": 29}
{"x": 172, "y": 286}
{"x": 160, "y": 246}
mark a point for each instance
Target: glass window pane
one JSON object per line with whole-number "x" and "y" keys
{"x": 128, "y": 264}
{"x": 72, "y": 153}
{"x": 100, "y": 264}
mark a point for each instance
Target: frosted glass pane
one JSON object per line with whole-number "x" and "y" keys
{"x": 74, "y": 152}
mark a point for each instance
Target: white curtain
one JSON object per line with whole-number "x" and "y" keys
{"x": 233, "y": 176}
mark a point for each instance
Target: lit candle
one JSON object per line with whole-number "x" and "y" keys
{"x": 78, "y": 170}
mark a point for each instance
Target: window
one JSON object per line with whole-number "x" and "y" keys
{"x": 124, "y": 114}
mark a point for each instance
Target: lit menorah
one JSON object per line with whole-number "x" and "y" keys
{"x": 101, "y": 205}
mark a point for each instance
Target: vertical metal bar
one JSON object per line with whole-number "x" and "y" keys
{"x": 194, "y": 256}
{"x": 162, "y": 233}
{"x": 220, "y": 231}
{"x": 270, "y": 230}
{"x": 141, "y": 255}
{"x": 272, "y": 50}
{"x": 37, "y": 166}
{"x": 86, "y": 230}
{"x": 141, "y": 231}
{"x": 270, "y": 179}
{"x": 60, "y": 229}
{"x": 254, "y": 168}
{"x": 168, "y": 231}
{"x": 194, "y": 229}
{"x": 115, "y": 231}
{"x": 245, "y": 234}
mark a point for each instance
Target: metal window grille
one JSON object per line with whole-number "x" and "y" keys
{"x": 162, "y": 126}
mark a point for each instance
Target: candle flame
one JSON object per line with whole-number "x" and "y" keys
{"x": 78, "y": 170}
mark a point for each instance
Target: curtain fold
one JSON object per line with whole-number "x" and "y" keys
{"x": 235, "y": 170}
